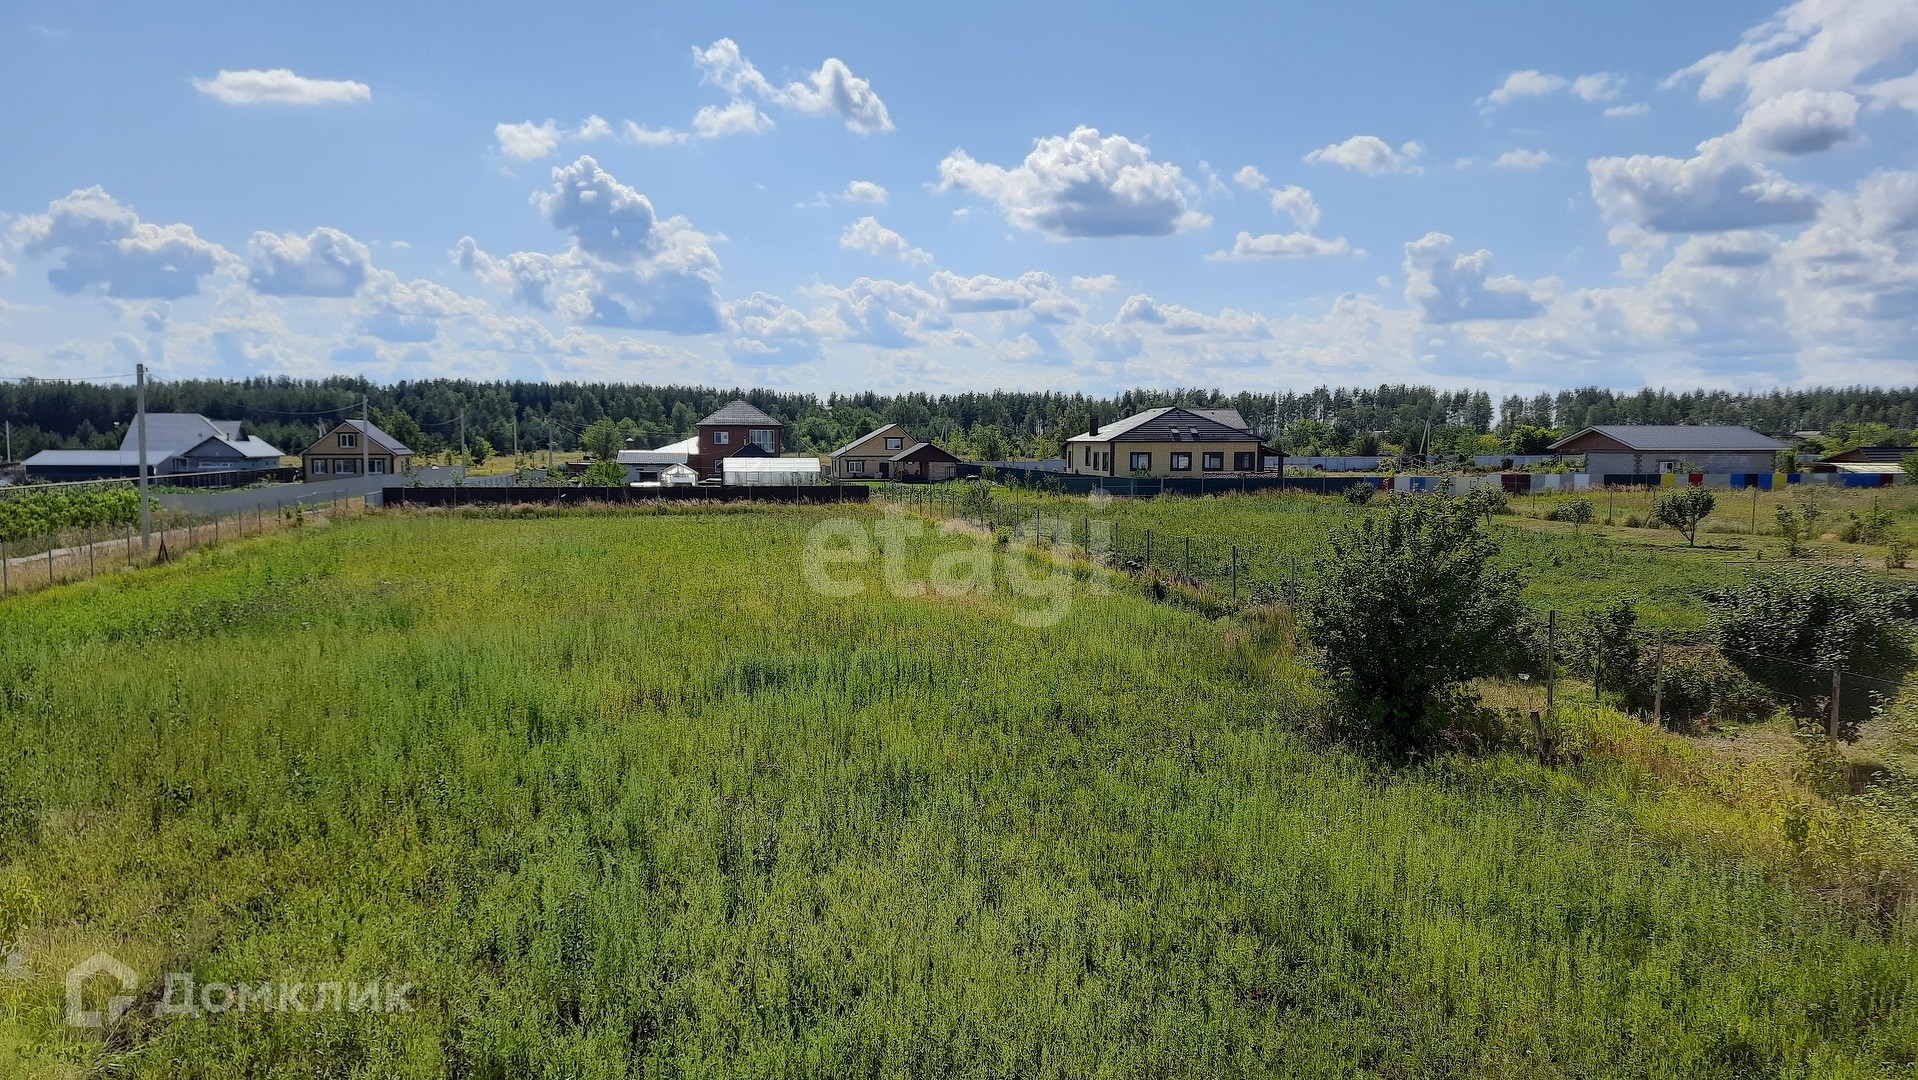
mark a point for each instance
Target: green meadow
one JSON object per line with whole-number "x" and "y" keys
{"x": 621, "y": 794}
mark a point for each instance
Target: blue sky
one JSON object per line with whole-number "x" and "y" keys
{"x": 1509, "y": 197}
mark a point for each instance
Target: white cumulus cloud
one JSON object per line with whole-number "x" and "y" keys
{"x": 105, "y": 245}
{"x": 1081, "y": 185}
{"x": 1525, "y": 84}
{"x": 833, "y": 90}
{"x": 1297, "y": 201}
{"x": 1249, "y": 178}
{"x": 324, "y": 262}
{"x": 1369, "y": 154}
{"x": 1861, "y": 46}
{"x": 627, "y": 266}
{"x": 1795, "y": 123}
{"x": 1603, "y": 86}
{"x": 280, "y": 87}
{"x": 738, "y": 118}
{"x": 1712, "y": 192}
{"x": 864, "y": 191}
{"x": 1295, "y": 245}
{"x": 527, "y": 140}
{"x": 1522, "y": 159}
{"x": 869, "y": 236}
{"x": 1449, "y": 287}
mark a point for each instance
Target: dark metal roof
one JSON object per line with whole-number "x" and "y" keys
{"x": 923, "y": 451}
{"x": 1874, "y": 455}
{"x": 1676, "y": 438}
{"x": 739, "y": 413}
{"x": 1170, "y": 424}
{"x": 1228, "y": 417}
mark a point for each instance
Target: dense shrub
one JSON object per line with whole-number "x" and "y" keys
{"x": 1788, "y": 628}
{"x": 37, "y": 513}
{"x": 1360, "y": 493}
{"x": 1408, "y": 605}
{"x": 604, "y": 473}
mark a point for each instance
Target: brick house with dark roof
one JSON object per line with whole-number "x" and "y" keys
{"x": 1172, "y": 442}
{"x": 733, "y": 428}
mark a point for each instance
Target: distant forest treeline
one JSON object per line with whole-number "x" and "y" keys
{"x": 291, "y": 413}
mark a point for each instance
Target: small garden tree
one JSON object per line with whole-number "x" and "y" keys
{"x": 1684, "y": 510}
{"x": 1360, "y": 493}
{"x": 1578, "y": 511}
{"x": 1409, "y": 605}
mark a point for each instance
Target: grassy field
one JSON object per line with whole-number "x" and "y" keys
{"x": 1570, "y": 569}
{"x": 624, "y": 796}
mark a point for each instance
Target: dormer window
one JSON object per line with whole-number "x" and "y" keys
{"x": 349, "y": 440}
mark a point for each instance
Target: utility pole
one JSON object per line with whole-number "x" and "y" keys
{"x": 366, "y": 436}
{"x": 549, "y": 446}
{"x": 140, "y": 418}
{"x": 464, "y": 461}
{"x": 516, "y": 437}
{"x": 9, "y": 440}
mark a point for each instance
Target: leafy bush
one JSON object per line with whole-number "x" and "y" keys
{"x": 1360, "y": 493}
{"x": 37, "y": 513}
{"x": 1684, "y": 509}
{"x": 1578, "y": 511}
{"x": 1872, "y": 528}
{"x": 1407, "y": 605}
{"x": 604, "y": 473}
{"x": 1787, "y": 629}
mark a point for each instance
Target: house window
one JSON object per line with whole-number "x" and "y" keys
{"x": 1142, "y": 461}
{"x": 1242, "y": 462}
{"x": 344, "y": 466}
{"x": 1088, "y": 456}
{"x": 722, "y": 438}
{"x": 376, "y": 465}
{"x": 348, "y": 440}
{"x": 319, "y": 466}
{"x": 1213, "y": 462}
{"x": 1181, "y": 462}
{"x": 762, "y": 438}
{"x": 855, "y": 467}
{"x": 895, "y": 444}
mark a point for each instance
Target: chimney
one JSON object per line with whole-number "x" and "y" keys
{"x": 1095, "y": 426}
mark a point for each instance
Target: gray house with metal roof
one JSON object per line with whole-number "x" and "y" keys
{"x": 1646, "y": 449}
{"x": 176, "y": 443}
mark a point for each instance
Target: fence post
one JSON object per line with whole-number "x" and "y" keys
{"x": 1551, "y": 667}
{"x": 5, "y": 585}
{"x": 1831, "y": 728}
{"x": 1235, "y": 573}
{"x": 1658, "y": 681}
{"x": 1148, "y": 549}
{"x": 51, "y": 540}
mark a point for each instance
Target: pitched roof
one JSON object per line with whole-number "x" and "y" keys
{"x": 1677, "y": 438}
{"x": 924, "y": 450}
{"x": 739, "y": 412}
{"x": 388, "y": 442}
{"x": 1881, "y": 455}
{"x": 1168, "y": 424}
{"x": 169, "y": 432}
{"x": 873, "y": 434}
{"x": 49, "y": 458}
{"x": 1228, "y": 417}
{"x": 251, "y": 448}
